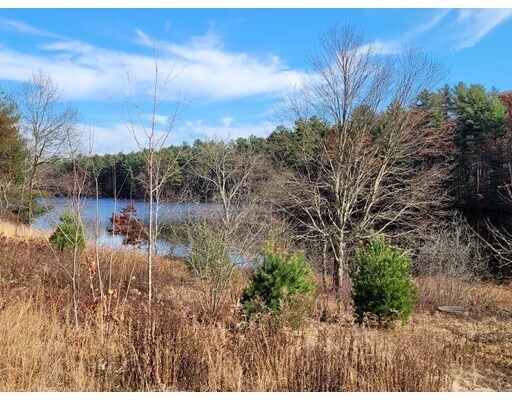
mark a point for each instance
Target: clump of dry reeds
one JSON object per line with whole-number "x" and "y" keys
{"x": 20, "y": 231}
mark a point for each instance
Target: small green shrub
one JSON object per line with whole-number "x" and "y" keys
{"x": 208, "y": 257}
{"x": 209, "y": 261}
{"x": 280, "y": 283}
{"x": 69, "y": 233}
{"x": 383, "y": 291}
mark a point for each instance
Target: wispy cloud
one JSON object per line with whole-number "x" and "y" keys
{"x": 382, "y": 47}
{"x": 472, "y": 25}
{"x": 199, "y": 129}
{"x": 22, "y": 27}
{"x": 161, "y": 120}
{"x": 429, "y": 24}
{"x": 202, "y": 67}
{"x": 395, "y": 45}
{"x": 206, "y": 67}
{"x": 450, "y": 29}
{"x": 115, "y": 137}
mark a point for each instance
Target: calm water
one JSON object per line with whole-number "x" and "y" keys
{"x": 103, "y": 209}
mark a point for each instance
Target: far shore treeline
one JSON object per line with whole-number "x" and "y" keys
{"x": 478, "y": 122}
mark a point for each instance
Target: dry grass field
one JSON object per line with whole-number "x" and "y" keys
{"x": 117, "y": 347}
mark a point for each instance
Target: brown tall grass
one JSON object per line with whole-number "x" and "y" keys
{"x": 180, "y": 348}
{"x": 10, "y": 230}
{"x": 42, "y": 350}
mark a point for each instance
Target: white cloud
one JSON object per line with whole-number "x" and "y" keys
{"x": 201, "y": 68}
{"x": 226, "y": 121}
{"x": 381, "y": 47}
{"x": 395, "y": 45}
{"x": 76, "y": 73}
{"x": 198, "y": 129}
{"x": 110, "y": 139}
{"x": 472, "y": 25}
{"x": 19, "y": 26}
{"x": 430, "y": 23}
{"x": 115, "y": 137}
{"x": 159, "y": 119}
{"x": 451, "y": 29}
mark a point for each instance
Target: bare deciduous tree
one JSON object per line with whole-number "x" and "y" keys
{"x": 500, "y": 241}
{"x": 46, "y": 124}
{"x": 142, "y": 122}
{"x": 375, "y": 171}
{"x": 230, "y": 231}
{"x": 233, "y": 178}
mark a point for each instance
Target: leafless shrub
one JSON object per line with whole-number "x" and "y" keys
{"x": 500, "y": 240}
{"x": 449, "y": 261}
{"x": 500, "y": 244}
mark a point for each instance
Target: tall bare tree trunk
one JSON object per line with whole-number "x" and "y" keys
{"x": 74, "y": 281}
{"x": 151, "y": 141}
{"x": 339, "y": 265}
{"x": 31, "y": 184}
{"x": 150, "y": 235}
{"x": 325, "y": 248}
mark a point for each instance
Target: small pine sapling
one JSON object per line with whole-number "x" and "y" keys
{"x": 69, "y": 233}
{"x": 383, "y": 290}
{"x": 280, "y": 281}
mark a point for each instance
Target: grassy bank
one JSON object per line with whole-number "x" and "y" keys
{"x": 116, "y": 346}
{"x": 20, "y": 231}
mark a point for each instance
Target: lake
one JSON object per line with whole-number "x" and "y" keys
{"x": 103, "y": 209}
{"x": 175, "y": 212}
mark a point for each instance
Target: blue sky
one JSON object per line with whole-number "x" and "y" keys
{"x": 230, "y": 65}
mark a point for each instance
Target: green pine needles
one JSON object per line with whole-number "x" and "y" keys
{"x": 383, "y": 291}
{"x": 280, "y": 282}
{"x": 69, "y": 233}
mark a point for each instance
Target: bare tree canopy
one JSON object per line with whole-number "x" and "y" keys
{"x": 378, "y": 169}
{"x": 45, "y": 118}
{"x": 48, "y": 126}
{"x": 233, "y": 179}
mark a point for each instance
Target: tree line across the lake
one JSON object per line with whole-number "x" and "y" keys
{"x": 478, "y": 123}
